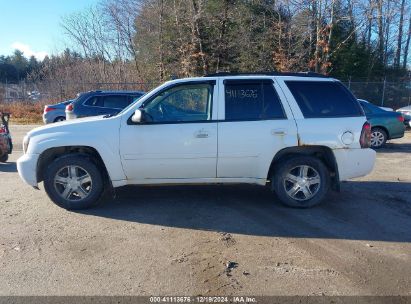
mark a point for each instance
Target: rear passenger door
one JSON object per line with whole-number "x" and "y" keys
{"x": 326, "y": 112}
{"x": 255, "y": 123}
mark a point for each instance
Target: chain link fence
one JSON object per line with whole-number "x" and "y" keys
{"x": 55, "y": 91}
{"x": 391, "y": 94}
{"x": 385, "y": 93}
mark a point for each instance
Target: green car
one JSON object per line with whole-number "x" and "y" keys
{"x": 385, "y": 125}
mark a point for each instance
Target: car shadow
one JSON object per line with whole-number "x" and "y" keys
{"x": 395, "y": 148}
{"x": 8, "y": 167}
{"x": 378, "y": 211}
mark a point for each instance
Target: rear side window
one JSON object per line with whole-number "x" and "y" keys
{"x": 322, "y": 99}
{"x": 110, "y": 101}
{"x": 252, "y": 100}
{"x": 116, "y": 101}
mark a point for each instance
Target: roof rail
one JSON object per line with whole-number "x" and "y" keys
{"x": 300, "y": 74}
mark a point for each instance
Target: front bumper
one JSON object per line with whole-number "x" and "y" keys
{"x": 354, "y": 162}
{"x": 27, "y": 168}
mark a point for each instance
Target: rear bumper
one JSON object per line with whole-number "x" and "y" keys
{"x": 27, "y": 168}
{"x": 70, "y": 115}
{"x": 46, "y": 119}
{"x": 354, "y": 162}
{"x": 397, "y": 131}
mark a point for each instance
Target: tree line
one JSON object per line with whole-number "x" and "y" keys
{"x": 17, "y": 67}
{"x": 153, "y": 40}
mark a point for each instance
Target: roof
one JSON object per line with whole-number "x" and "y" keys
{"x": 297, "y": 74}
{"x": 115, "y": 92}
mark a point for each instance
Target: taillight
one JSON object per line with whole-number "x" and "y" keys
{"x": 69, "y": 107}
{"x": 365, "y": 138}
{"x": 400, "y": 118}
{"x": 48, "y": 109}
{"x": 3, "y": 129}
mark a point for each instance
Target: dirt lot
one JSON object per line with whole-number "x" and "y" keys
{"x": 177, "y": 240}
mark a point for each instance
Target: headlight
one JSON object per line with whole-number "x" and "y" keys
{"x": 26, "y": 142}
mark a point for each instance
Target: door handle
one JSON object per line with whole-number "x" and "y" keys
{"x": 279, "y": 132}
{"x": 201, "y": 134}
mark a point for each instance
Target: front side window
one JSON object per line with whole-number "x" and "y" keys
{"x": 322, "y": 99}
{"x": 181, "y": 103}
{"x": 251, "y": 100}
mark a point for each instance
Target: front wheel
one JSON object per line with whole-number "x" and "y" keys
{"x": 73, "y": 182}
{"x": 301, "y": 181}
{"x": 378, "y": 138}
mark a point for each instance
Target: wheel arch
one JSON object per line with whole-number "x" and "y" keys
{"x": 324, "y": 153}
{"x": 383, "y": 128}
{"x": 59, "y": 116}
{"x": 49, "y": 155}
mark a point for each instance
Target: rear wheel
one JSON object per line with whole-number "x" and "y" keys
{"x": 301, "y": 181}
{"x": 60, "y": 118}
{"x": 378, "y": 137}
{"x": 73, "y": 182}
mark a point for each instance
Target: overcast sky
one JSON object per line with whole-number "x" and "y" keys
{"x": 32, "y": 26}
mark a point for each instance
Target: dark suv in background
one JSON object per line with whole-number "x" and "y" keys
{"x": 96, "y": 103}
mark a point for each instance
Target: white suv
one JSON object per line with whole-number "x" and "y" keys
{"x": 299, "y": 133}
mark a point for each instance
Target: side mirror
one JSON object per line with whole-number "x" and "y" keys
{"x": 137, "y": 116}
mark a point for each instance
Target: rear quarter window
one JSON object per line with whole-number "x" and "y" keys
{"x": 323, "y": 99}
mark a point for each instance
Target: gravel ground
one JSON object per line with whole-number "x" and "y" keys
{"x": 178, "y": 240}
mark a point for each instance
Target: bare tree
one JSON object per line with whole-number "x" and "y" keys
{"x": 397, "y": 58}
{"x": 407, "y": 44}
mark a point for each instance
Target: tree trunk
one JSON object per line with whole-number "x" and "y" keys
{"x": 317, "y": 14}
{"x": 407, "y": 44}
{"x": 380, "y": 30}
{"x": 221, "y": 38}
{"x": 388, "y": 14}
{"x": 399, "y": 41}
{"x": 197, "y": 34}
{"x": 160, "y": 40}
{"x": 328, "y": 52}
{"x": 370, "y": 18}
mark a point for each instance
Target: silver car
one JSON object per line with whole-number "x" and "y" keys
{"x": 55, "y": 112}
{"x": 406, "y": 112}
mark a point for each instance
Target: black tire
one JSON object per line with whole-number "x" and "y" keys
{"x": 378, "y": 137}
{"x": 4, "y": 158}
{"x": 92, "y": 191}
{"x": 280, "y": 181}
{"x": 60, "y": 118}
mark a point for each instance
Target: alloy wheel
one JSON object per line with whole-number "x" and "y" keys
{"x": 377, "y": 138}
{"x": 73, "y": 183}
{"x": 302, "y": 183}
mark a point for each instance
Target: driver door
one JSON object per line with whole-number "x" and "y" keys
{"x": 177, "y": 141}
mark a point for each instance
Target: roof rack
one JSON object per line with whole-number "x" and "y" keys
{"x": 300, "y": 74}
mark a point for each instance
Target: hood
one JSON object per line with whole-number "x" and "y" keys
{"x": 70, "y": 125}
